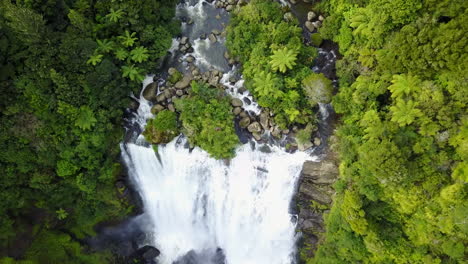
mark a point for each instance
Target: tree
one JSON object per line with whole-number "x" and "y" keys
{"x": 139, "y": 54}
{"x": 94, "y": 59}
{"x": 283, "y": 59}
{"x": 133, "y": 73}
{"x": 105, "y": 45}
{"x": 115, "y": 15}
{"x": 405, "y": 112}
{"x": 265, "y": 84}
{"x": 128, "y": 40}
{"x": 317, "y": 88}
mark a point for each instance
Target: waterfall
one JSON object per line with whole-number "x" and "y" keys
{"x": 199, "y": 204}
{"x": 207, "y": 211}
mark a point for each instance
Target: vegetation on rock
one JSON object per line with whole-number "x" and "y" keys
{"x": 162, "y": 128}
{"x": 274, "y": 59}
{"x": 208, "y": 121}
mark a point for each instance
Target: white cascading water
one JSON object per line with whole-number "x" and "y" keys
{"x": 198, "y": 204}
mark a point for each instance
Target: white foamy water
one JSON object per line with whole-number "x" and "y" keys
{"x": 199, "y": 206}
{"x": 198, "y": 203}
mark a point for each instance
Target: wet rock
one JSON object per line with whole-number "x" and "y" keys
{"x": 218, "y": 16}
{"x": 236, "y": 102}
{"x": 229, "y": 8}
{"x": 184, "y": 40}
{"x": 171, "y": 107}
{"x": 190, "y": 59}
{"x": 232, "y": 61}
{"x": 156, "y": 109}
{"x": 167, "y": 94}
{"x": 317, "y": 141}
{"x": 232, "y": 2}
{"x": 147, "y": 254}
{"x": 161, "y": 97}
{"x": 254, "y": 127}
{"x": 243, "y": 114}
{"x": 264, "y": 120}
{"x": 310, "y": 26}
{"x": 315, "y": 193}
{"x": 226, "y": 55}
{"x": 285, "y": 132}
{"x": 293, "y": 2}
{"x": 150, "y": 91}
{"x": 212, "y": 37}
{"x": 317, "y": 24}
{"x": 216, "y": 32}
{"x": 321, "y": 18}
{"x": 247, "y": 101}
{"x": 184, "y": 83}
{"x": 311, "y": 15}
{"x": 276, "y": 132}
{"x": 214, "y": 80}
{"x": 195, "y": 72}
{"x": 257, "y": 136}
{"x": 237, "y": 110}
{"x": 190, "y": 22}
{"x": 244, "y": 122}
{"x": 302, "y": 146}
{"x": 232, "y": 79}
{"x": 288, "y": 17}
{"x": 172, "y": 71}
{"x": 242, "y": 2}
{"x": 179, "y": 93}
{"x": 324, "y": 172}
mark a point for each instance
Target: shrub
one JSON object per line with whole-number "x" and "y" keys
{"x": 162, "y": 128}
{"x": 208, "y": 121}
{"x": 318, "y": 88}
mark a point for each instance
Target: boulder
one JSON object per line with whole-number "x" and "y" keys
{"x": 229, "y": 8}
{"x": 156, "y": 109}
{"x": 317, "y": 141}
{"x": 179, "y": 93}
{"x": 190, "y": 59}
{"x": 171, "y": 107}
{"x": 315, "y": 193}
{"x": 304, "y": 146}
{"x": 321, "y": 18}
{"x": 324, "y": 172}
{"x": 264, "y": 120}
{"x": 257, "y": 136}
{"x": 161, "y": 97}
{"x": 216, "y": 32}
{"x": 311, "y": 15}
{"x": 244, "y": 122}
{"x": 172, "y": 71}
{"x": 214, "y": 80}
{"x": 184, "y": 40}
{"x": 226, "y": 55}
{"x": 147, "y": 254}
{"x": 254, "y": 127}
{"x": 184, "y": 83}
{"x": 236, "y": 102}
{"x": 247, "y": 101}
{"x": 276, "y": 132}
{"x": 150, "y": 91}
{"x": 237, "y": 110}
{"x": 310, "y": 26}
{"x": 212, "y": 37}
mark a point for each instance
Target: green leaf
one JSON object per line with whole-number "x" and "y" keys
{"x": 139, "y": 54}
{"x": 86, "y": 118}
{"x": 283, "y": 59}
{"x": 94, "y": 59}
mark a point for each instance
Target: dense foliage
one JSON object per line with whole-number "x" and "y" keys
{"x": 402, "y": 193}
{"x": 274, "y": 60}
{"x": 62, "y": 69}
{"x": 162, "y": 128}
{"x": 208, "y": 121}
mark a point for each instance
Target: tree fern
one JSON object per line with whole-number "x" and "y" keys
{"x": 283, "y": 59}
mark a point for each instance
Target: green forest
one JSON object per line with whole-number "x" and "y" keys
{"x": 402, "y": 196}
{"x": 67, "y": 68}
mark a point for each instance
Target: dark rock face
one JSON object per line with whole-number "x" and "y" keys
{"x": 313, "y": 197}
{"x": 205, "y": 257}
{"x": 146, "y": 254}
